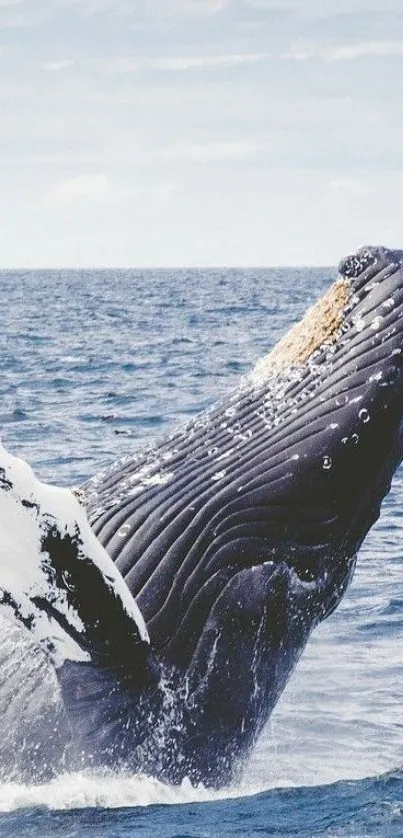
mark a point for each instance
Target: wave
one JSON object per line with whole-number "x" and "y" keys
{"x": 90, "y": 804}
{"x": 79, "y": 790}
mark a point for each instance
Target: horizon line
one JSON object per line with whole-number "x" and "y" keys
{"x": 55, "y": 268}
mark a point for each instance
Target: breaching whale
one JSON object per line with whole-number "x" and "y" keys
{"x": 176, "y": 593}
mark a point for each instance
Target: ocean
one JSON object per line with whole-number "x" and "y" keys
{"x": 93, "y": 363}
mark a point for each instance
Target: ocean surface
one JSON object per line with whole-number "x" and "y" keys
{"x": 92, "y": 364}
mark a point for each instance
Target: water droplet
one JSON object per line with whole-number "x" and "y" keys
{"x": 364, "y": 415}
{"x": 359, "y": 323}
{"x": 344, "y": 440}
{"x": 219, "y": 475}
{"x": 124, "y": 531}
{"x": 354, "y": 439}
{"x": 327, "y": 462}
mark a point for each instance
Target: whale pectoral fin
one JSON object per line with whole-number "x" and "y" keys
{"x": 250, "y": 644}
{"x": 59, "y": 583}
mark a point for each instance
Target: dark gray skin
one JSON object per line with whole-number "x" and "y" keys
{"x": 237, "y": 535}
{"x": 233, "y": 562}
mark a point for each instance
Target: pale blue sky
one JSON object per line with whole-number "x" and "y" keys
{"x": 199, "y": 132}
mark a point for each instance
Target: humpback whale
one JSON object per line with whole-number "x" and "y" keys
{"x": 175, "y": 591}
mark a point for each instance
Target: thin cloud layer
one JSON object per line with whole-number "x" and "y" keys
{"x": 82, "y": 187}
{"x": 181, "y": 63}
{"x": 347, "y": 52}
{"x": 199, "y": 131}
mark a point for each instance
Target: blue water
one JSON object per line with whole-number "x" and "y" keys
{"x": 92, "y": 363}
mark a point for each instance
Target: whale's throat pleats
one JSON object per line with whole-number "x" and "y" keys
{"x": 289, "y": 469}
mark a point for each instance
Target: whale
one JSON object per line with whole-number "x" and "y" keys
{"x": 175, "y": 591}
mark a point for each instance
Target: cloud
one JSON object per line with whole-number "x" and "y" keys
{"x": 55, "y": 66}
{"x": 183, "y": 63}
{"x": 164, "y": 192}
{"x": 82, "y": 187}
{"x": 208, "y": 152}
{"x": 243, "y": 149}
{"x": 200, "y": 8}
{"x": 272, "y": 5}
{"x": 372, "y": 48}
{"x": 342, "y": 187}
{"x": 347, "y": 52}
{"x": 184, "y": 113}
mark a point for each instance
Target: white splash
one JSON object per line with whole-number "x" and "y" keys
{"x": 81, "y": 790}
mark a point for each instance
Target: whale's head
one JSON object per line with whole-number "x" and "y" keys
{"x": 330, "y": 397}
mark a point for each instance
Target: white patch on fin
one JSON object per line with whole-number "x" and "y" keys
{"x": 29, "y": 509}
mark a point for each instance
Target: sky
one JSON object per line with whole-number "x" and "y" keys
{"x": 199, "y": 132}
